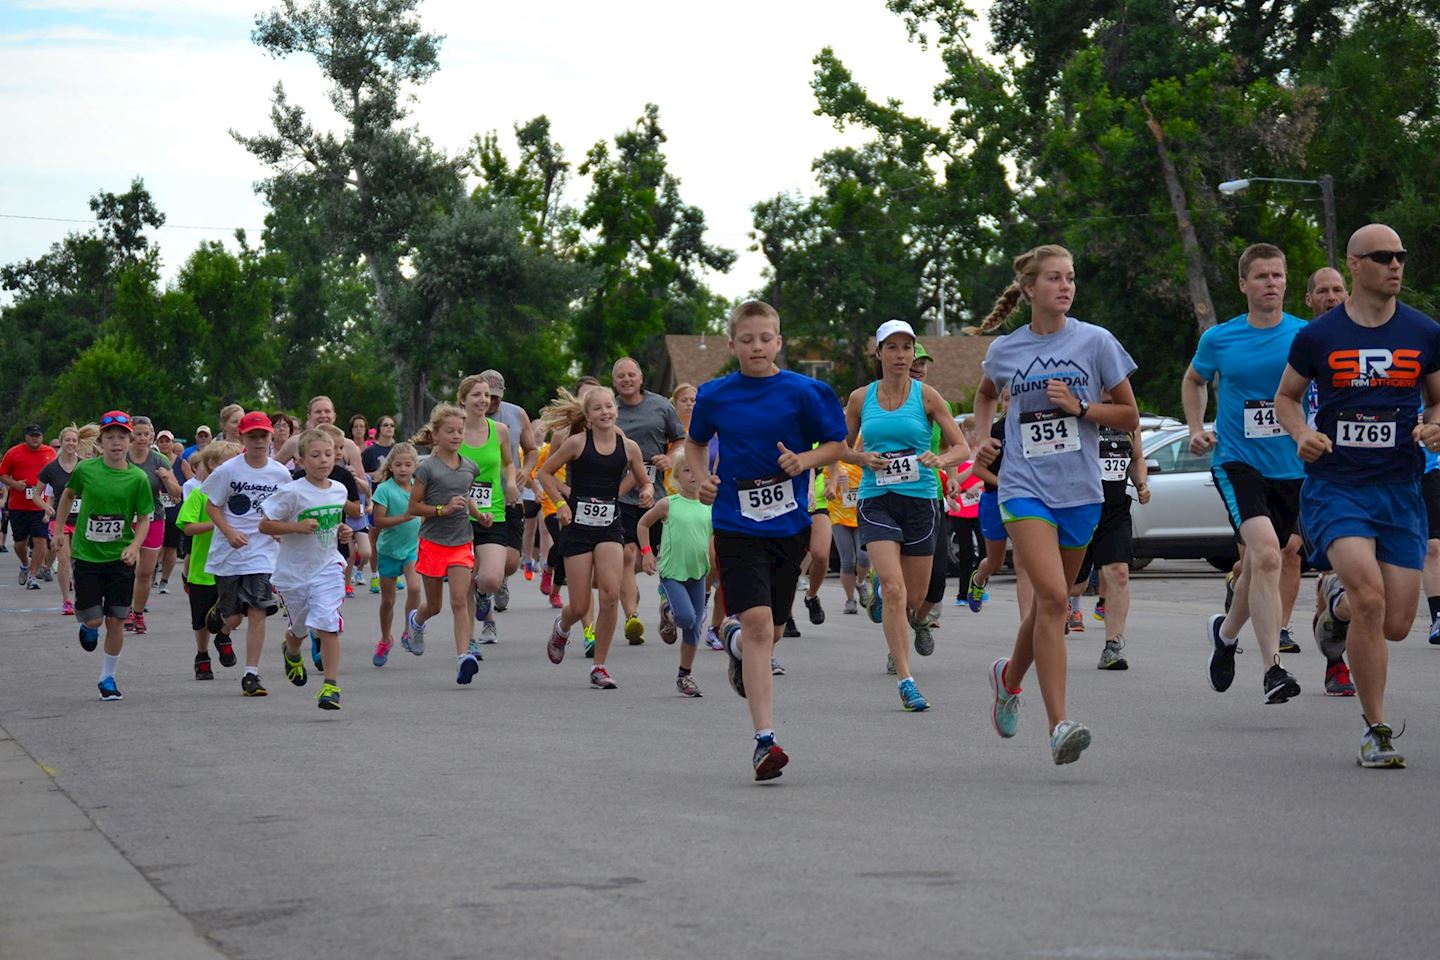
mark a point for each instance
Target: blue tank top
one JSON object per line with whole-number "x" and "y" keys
{"x": 904, "y": 434}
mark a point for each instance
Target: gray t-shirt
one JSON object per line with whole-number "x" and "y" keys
{"x": 653, "y": 424}
{"x": 1050, "y": 455}
{"x": 441, "y": 484}
{"x": 513, "y": 417}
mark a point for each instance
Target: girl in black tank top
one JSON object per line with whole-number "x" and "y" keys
{"x": 589, "y": 515}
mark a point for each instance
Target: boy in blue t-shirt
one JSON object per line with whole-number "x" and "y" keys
{"x": 761, "y": 415}
{"x": 1372, "y": 360}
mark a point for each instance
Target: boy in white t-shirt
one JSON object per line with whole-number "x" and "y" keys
{"x": 307, "y": 516}
{"x": 241, "y": 558}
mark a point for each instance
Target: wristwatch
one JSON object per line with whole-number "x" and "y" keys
{"x": 1084, "y": 409}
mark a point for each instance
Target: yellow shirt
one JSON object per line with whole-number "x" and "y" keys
{"x": 842, "y": 507}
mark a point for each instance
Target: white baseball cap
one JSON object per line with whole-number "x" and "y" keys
{"x": 889, "y": 328}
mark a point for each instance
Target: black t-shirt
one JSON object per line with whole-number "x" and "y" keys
{"x": 338, "y": 472}
{"x": 1116, "y": 451}
{"x": 997, "y": 432}
{"x": 57, "y": 477}
{"x": 372, "y": 456}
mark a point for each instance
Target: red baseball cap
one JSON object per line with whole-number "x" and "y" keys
{"x": 116, "y": 418}
{"x": 255, "y": 421}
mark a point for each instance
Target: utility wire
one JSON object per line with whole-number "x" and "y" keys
{"x": 163, "y": 226}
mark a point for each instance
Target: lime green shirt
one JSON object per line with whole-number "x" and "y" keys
{"x": 110, "y": 500}
{"x": 487, "y": 490}
{"x": 193, "y": 511}
{"x": 686, "y": 553}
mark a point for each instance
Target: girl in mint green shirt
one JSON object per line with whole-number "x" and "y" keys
{"x": 399, "y": 540}
{"x": 684, "y": 563}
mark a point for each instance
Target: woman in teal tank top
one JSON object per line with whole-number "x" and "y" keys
{"x": 896, "y": 514}
{"x": 487, "y": 445}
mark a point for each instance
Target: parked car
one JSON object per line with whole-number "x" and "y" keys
{"x": 1185, "y": 519}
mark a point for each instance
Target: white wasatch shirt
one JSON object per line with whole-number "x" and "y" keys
{"x": 301, "y": 557}
{"x": 239, "y": 490}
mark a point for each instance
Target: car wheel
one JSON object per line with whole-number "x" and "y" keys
{"x": 1140, "y": 563}
{"x": 1223, "y": 564}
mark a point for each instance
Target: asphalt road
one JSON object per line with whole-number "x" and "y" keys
{"x": 530, "y": 816}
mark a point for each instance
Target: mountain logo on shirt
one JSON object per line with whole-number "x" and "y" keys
{"x": 1374, "y": 367}
{"x": 1044, "y": 369}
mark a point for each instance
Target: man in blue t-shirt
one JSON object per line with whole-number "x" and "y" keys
{"x": 1256, "y": 470}
{"x": 1372, "y": 359}
{"x": 762, "y": 415}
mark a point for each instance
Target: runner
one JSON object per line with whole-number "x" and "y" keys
{"x": 399, "y": 542}
{"x": 20, "y": 471}
{"x": 897, "y": 516}
{"x": 170, "y": 502}
{"x": 683, "y": 567}
{"x": 1050, "y": 490}
{"x": 113, "y": 494}
{"x": 1372, "y": 359}
{"x": 194, "y": 522}
{"x": 487, "y": 445}
{"x": 76, "y": 444}
{"x": 230, "y": 417}
{"x": 927, "y": 613}
{"x": 202, "y": 440}
{"x": 761, "y": 415}
{"x": 286, "y": 427}
{"x": 164, "y": 488}
{"x": 963, "y": 493}
{"x": 441, "y": 497}
{"x": 842, "y": 490}
{"x": 370, "y": 459}
{"x": 241, "y": 560}
{"x": 1256, "y": 470}
{"x": 649, "y": 420}
{"x": 992, "y": 527}
{"x": 522, "y": 440}
{"x": 819, "y": 561}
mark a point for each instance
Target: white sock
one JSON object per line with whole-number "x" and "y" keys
{"x": 107, "y": 667}
{"x": 901, "y": 682}
{"x": 766, "y": 734}
{"x": 734, "y": 643}
{"x": 252, "y": 671}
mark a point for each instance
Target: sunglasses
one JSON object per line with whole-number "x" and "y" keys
{"x": 119, "y": 418}
{"x": 1385, "y": 257}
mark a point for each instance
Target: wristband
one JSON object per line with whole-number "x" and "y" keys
{"x": 645, "y": 549}
{"x": 439, "y": 510}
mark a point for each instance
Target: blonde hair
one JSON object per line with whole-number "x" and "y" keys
{"x": 441, "y": 412}
{"x": 217, "y": 452}
{"x": 468, "y": 384}
{"x": 752, "y": 308}
{"x": 316, "y": 434}
{"x": 401, "y": 449}
{"x": 1027, "y": 269}
{"x": 316, "y": 399}
{"x": 89, "y": 437}
{"x": 567, "y": 411}
{"x": 227, "y": 411}
{"x": 330, "y": 430}
{"x": 679, "y": 387}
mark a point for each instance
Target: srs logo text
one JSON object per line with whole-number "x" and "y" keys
{"x": 1374, "y": 367}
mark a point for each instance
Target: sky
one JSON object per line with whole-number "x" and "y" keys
{"x": 97, "y": 92}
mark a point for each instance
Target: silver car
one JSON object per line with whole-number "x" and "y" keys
{"x": 1185, "y": 519}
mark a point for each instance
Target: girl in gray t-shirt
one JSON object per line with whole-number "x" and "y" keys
{"x": 1050, "y": 493}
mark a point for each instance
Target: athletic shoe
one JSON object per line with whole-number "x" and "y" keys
{"x": 924, "y": 639}
{"x": 315, "y": 657}
{"x": 712, "y": 639}
{"x": 817, "y": 612}
{"x": 600, "y": 679}
{"x": 1100, "y": 609}
{"x": 469, "y": 666}
{"x": 668, "y": 630}
{"x": 546, "y": 579}
{"x": 1287, "y": 642}
{"x": 555, "y": 602}
{"x": 1229, "y": 590}
{"x": 489, "y": 632}
{"x": 213, "y": 621}
{"x": 1074, "y": 623}
{"x": 634, "y": 631}
{"x": 1330, "y": 631}
{"x": 31, "y": 583}
{"x": 67, "y": 609}
{"x": 974, "y": 595}
{"x": 108, "y": 690}
{"x": 769, "y": 760}
{"x": 137, "y": 626}
{"x": 473, "y": 648}
{"x": 4, "y": 549}
{"x": 1435, "y": 631}
{"x": 413, "y": 639}
{"x": 250, "y": 686}
{"x": 502, "y": 597}
{"x": 588, "y": 631}
{"x": 730, "y": 632}
{"x": 202, "y": 666}
{"x": 1111, "y": 658}
{"x": 375, "y": 584}
{"x": 24, "y": 575}
{"x": 294, "y": 665}
{"x": 862, "y": 590}
{"x": 1279, "y": 685}
{"x": 1376, "y": 751}
{"x": 382, "y": 653}
{"x": 1005, "y": 711}
{"x": 162, "y": 587}
{"x": 877, "y": 602}
{"x": 89, "y": 638}
{"x": 687, "y": 686}
{"x": 910, "y": 697}
{"x": 349, "y": 590}
{"x": 225, "y": 649}
{"x": 777, "y": 669}
{"x": 555, "y": 646}
{"x": 889, "y": 665}
{"x": 852, "y": 608}
{"x": 1068, "y": 741}
{"x": 529, "y": 570}
{"x": 1222, "y": 656}
{"x": 328, "y": 697}
{"x": 1337, "y": 680}
{"x": 483, "y": 602}
{"x": 790, "y": 629}
{"x": 400, "y": 584}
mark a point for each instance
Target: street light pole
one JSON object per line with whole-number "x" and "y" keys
{"x": 1327, "y": 196}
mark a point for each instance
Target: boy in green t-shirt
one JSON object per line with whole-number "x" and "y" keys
{"x": 115, "y": 509}
{"x": 195, "y": 523}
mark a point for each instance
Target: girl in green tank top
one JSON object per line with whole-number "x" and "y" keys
{"x": 684, "y": 563}
{"x": 487, "y": 445}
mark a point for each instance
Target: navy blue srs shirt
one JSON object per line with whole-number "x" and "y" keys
{"x": 751, "y": 415}
{"x": 1369, "y": 381}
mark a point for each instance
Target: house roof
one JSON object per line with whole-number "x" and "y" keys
{"x": 692, "y": 359}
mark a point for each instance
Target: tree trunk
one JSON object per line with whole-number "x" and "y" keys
{"x": 1194, "y": 257}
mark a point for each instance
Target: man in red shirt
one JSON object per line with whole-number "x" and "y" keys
{"x": 20, "y": 471}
